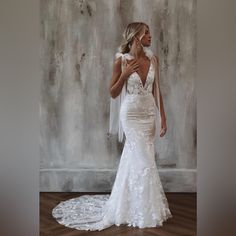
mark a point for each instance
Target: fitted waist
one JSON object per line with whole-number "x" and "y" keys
{"x": 142, "y": 99}
{"x": 138, "y": 105}
{"x": 139, "y": 94}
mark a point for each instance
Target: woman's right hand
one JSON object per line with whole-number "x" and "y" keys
{"x": 130, "y": 67}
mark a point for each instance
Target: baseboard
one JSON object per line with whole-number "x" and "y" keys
{"x": 90, "y": 180}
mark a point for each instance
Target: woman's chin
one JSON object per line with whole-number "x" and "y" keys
{"x": 147, "y": 44}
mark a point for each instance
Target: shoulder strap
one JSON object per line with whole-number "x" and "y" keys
{"x": 118, "y": 54}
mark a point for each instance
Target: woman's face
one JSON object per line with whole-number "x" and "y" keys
{"x": 146, "y": 39}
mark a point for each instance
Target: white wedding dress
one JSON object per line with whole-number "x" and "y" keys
{"x": 137, "y": 197}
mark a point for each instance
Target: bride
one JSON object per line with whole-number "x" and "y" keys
{"x": 137, "y": 197}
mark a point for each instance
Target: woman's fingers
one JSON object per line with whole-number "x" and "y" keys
{"x": 132, "y": 62}
{"x": 163, "y": 131}
{"x": 135, "y": 67}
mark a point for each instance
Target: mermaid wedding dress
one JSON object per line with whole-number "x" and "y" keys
{"x": 137, "y": 197}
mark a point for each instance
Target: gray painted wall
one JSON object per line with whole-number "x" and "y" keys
{"x": 79, "y": 41}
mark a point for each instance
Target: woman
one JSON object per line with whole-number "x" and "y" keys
{"x": 137, "y": 197}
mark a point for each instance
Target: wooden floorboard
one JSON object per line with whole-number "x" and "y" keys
{"x": 183, "y": 223}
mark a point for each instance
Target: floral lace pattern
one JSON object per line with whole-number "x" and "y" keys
{"x": 137, "y": 197}
{"x": 135, "y": 85}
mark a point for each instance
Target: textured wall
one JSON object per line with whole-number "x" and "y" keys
{"x": 79, "y": 41}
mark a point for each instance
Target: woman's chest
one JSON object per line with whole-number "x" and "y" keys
{"x": 135, "y": 84}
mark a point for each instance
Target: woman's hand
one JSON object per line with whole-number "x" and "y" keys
{"x": 130, "y": 67}
{"x": 163, "y": 127}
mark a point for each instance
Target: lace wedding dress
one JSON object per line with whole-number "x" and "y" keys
{"x": 137, "y": 197}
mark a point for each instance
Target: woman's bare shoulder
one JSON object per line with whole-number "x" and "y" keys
{"x": 117, "y": 65}
{"x": 117, "y": 62}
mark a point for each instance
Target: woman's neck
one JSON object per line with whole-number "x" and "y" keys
{"x": 138, "y": 54}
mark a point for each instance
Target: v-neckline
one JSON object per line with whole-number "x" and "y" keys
{"x": 143, "y": 85}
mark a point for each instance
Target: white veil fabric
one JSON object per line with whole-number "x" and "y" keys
{"x": 115, "y": 126}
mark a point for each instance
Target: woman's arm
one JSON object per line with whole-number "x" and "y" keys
{"x": 118, "y": 79}
{"x": 163, "y": 115}
{"x": 162, "y": 109}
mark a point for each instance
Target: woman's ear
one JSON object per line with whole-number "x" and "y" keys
{"x": 141, "y": 37}
{"x": 136, "y": 39}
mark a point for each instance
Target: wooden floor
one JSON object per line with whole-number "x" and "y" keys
{"x": 182, "y": 207}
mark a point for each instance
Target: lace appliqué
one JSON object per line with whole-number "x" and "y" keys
{"x": 137, "y": 197}
{"x": 135, "y": 86}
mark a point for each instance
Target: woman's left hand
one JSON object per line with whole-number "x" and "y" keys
{"x": 163, "y": 128}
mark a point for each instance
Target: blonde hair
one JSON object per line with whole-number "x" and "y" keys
{"x": 130, "y": 31}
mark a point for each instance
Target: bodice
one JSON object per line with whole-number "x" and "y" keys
{"x": 135, "y": 84}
